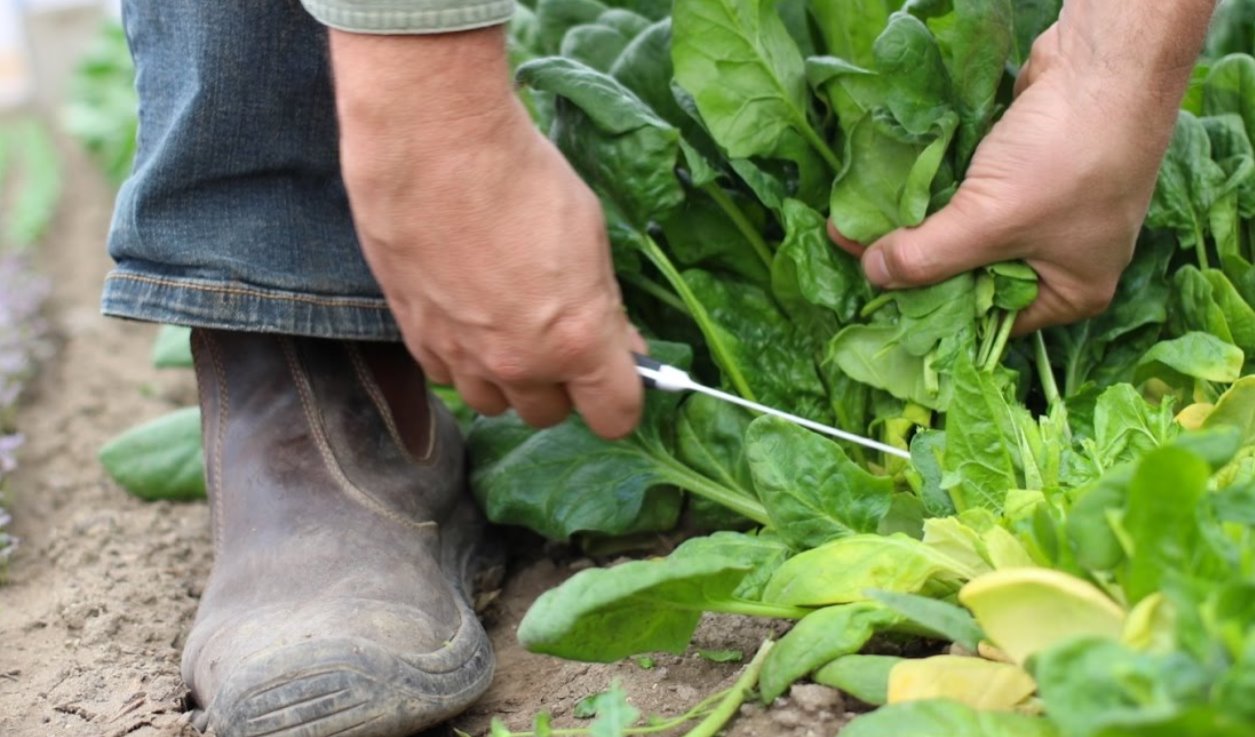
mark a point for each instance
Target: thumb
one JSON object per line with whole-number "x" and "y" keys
{"x": 953, "y": 240}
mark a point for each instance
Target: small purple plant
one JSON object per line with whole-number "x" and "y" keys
{"x": 23, "y": 340}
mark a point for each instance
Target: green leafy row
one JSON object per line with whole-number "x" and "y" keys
{"x": 720, "y": 140}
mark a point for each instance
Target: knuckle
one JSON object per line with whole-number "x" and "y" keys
{"x": 907, "y": 263}
{"x": 574, "y": 338}
{"x": 507, "y": 367}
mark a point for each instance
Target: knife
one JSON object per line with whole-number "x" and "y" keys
{"x": 658, "y": 375}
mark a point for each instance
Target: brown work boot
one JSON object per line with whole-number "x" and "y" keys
{"x": 345, "y": 544}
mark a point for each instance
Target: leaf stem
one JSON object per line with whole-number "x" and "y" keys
{"x": 875, "y": 303}
{"x": 1072, "y": 368}
{"x": 694, "y": 482}
{"x": 731, "y": 703}
{"x": 655, "y": 290}
{"x": 741, "y": 221}
{"x": 817, "y": 142}
{"x": 697, "y": 310}
{"x": 1000, "y": 342}
{"x": 987, "y": 333}
{"x": 757, "y": 609}
{"x": 1201, "y": 246}
{"x": 1044, "y": 371}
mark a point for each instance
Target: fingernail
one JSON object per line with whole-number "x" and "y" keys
{"x": 874, "y": 267}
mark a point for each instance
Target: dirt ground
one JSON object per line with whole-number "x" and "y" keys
{"x": 100, "y": 594}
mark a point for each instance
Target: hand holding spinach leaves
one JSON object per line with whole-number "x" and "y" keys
{"x": 1064, "y": 178}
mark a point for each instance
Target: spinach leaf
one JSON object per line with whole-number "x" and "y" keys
{"x": 843, "y": 570}
{"x": 779, "y": 358}
{"x": 1097, "y": 686}
{"x": 875, "y": 355}
{"x": 699, "y": 233}
{"x": 1236, "y": 409}
{"x": 1161, "y": 521}
{"x": 554, "y": 17}
{"x": 1189, "y": 183}
{"x": 762, "y": 109}
{"x": 850, "y": 27}
{"x": 606, "y": 614}
{"x": 621, "y": 147}
{"x": 1195, "y": 355}
{"x": 812, "y": 491}
{"x": 1127, "y": 427}
{"x": 887, "y": 181}
{"x": 981, "y": 457}
{"x": 594, "y": 44}
{"x": 160, "y": 459}
{"x": 631, "y": 24}
{"x": 865, "y": 677}
{"x": 927, "y": 450}
{"x": 937, "y": 718}
{"x": 566, "y": 480}
{"x": 172, "y": 347}
{"x": 821, "y": 637}
{"x": 1230, "y": 88}
{"x": 1238, "y": 314}
{"x": 710, "y": 439}
{"x": 976, "y": 41}
{"x": 933, "y": 617}
{"x": 809, "y": 272}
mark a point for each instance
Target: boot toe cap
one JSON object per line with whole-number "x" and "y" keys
{"x": 349, "y": 686}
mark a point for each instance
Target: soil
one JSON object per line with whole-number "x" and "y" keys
{"x": 104, "y": 586}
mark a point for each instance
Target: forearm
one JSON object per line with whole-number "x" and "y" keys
{"x": 1145, "y": 48}
{"x": 420, "y": 99}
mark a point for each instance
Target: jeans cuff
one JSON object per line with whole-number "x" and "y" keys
{"x": 203, "y": 303}
{"x": 411, "y": 17}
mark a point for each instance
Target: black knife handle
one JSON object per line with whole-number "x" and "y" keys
{"x": 648, "y": 363}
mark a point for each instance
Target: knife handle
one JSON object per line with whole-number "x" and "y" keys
{"x": 652, "y": 367}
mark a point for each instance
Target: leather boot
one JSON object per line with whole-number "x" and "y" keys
{"x": 345, "y": 543}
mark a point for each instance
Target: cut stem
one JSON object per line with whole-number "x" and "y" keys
{"x": 731, "y": 703}
{"x": 740, "y": 221}
{"x": 1000, "y": 342}
{"x": 723, "y": 356}
{"x": 988, "y": 331}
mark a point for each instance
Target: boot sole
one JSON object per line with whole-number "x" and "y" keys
{"x": 347, "y": 688}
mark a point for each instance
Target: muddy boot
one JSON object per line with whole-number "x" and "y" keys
{"x": 345, "y": 542}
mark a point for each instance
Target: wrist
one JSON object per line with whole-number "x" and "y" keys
{"x": 1138, "y": 54}
{"x": 424, "y": 93}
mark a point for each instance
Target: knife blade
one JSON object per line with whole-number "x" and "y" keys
{"x": 661, "y": 376}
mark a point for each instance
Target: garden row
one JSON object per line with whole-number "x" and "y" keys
{"x": 1072, "y": 534}
{"x": 1076, "y": 516}
{"x": 29, "y": 190}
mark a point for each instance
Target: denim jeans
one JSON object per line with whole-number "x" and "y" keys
{"x": 235, "y": 215}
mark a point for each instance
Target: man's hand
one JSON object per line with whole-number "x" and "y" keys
{"x": 1064, "y": 179}
{"x": 491, "y": 251}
